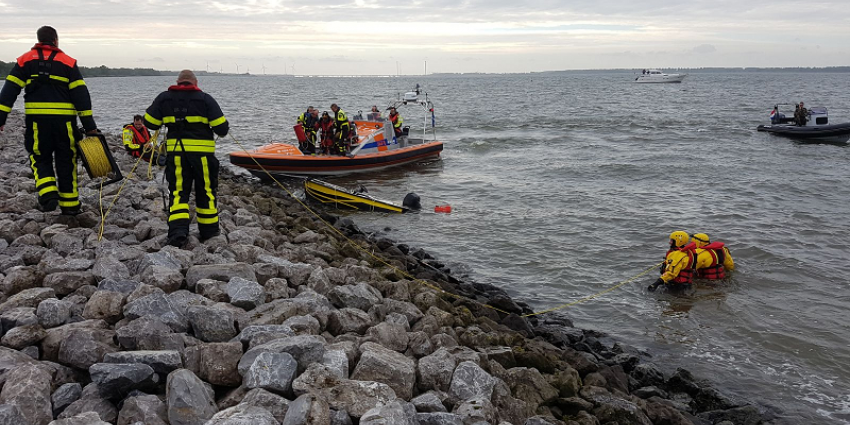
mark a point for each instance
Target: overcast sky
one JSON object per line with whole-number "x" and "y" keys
{"x": 378, "y": 37}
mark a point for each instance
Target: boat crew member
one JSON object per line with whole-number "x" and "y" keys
{"x": 326, "y": 125}
{"x": 341, "y": 129}
{"x": 713, "y": 258}
{"x": 801, "y": 115}
{"x": 678, "y": 270}
{"x": 397, "y": 121}
{"x": 375, "y": 114}
{"x": 54, "y": 95}
{"x": 192, "y": 117}
{"x": 309, "y": 121}
{"x": 136, "y": 137}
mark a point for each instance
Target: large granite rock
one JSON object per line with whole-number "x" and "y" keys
{"x": 159, "y": 306}
{"x": 84, "y": 418}
{"x": 28, "y": 388}
{"x": 307, "y": 410}
{"x": 243, "y": 415}
{"x": 244, "y": 293}
{"x": 361, "y": 296}
{"x": 305, "y": 349}
{"x": 85, "y": 347}
{"x": 147, "y": 409}
{"x": 52, "y": 312}
{"x": 190, "y": 401}
{"x": 394, "y": 412}
{"x": 223, "y": 272}
{"x": 212, "y": 323}
{"x": 216, "y": 363}
{"x": 275, "y": 404}
{"x": 116, "y": 380}
{"x": 163, "y": 362}
{"x": 64, "y": 396}
{"x": 435, "y": 371}
{"x": 389, "y": 367}
{"x": 273, "y": 372}
{"x": 471, "y": 381}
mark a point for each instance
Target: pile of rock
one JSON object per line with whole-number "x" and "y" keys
{"x": 282, "y": 321}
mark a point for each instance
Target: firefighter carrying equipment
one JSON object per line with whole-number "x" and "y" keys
{"x": 54, "y": 96}
{"x": 98, "y": 160}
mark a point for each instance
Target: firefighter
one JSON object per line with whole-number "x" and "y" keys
{"x": 309, "y": 121}
{"x": 191, "y": 117}
{"x": 342, "y": 129}
{"x": 54, "y": 96}
{"x": 397, "y": 121}
{"x": 713, "y": 258}
{"x": 679, "y": 264}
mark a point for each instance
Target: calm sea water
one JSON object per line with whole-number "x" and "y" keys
{"x": 563, "y": 186}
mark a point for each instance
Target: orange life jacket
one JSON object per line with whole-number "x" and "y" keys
{"x": 139, "y": 137}
{"x": 715, "y": 270}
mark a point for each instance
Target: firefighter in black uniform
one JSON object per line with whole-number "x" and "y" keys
{"x": 54, "y": 95}
{"x": 191, "y": 117}
{"x": 342, "y": 129}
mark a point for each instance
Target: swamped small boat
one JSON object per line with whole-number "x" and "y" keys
{"x": 377, "y": 148}
{"x": 340, "y": 197}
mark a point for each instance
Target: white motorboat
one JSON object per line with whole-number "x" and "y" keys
{"x": 656, "y": 76}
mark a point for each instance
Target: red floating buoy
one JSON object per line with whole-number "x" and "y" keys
{"x": 443, "y": 208}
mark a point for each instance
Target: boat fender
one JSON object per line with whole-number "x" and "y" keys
{"x": 443, "y": 208}
{"x": 412, "y": 201}
{"x": 299, "y": 133}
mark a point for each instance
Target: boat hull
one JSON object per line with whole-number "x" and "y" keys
{"x": 673, "y": 78}
{"x": 835, "y": 133}
{"x": 339, "y": 197}
{"x": 277, "y": 159}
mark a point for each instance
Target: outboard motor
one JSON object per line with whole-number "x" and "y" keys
{"x": 412, "y": 201}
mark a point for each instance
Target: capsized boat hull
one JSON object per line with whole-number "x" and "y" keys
{"x": 340, "y": 197}
{"x": 834, "y": 133}
{"x": 281, "y": 158}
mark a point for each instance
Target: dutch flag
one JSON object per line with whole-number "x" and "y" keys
{"x": 773, "y": 114}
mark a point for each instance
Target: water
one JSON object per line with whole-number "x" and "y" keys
{"x": 562, "y": 186}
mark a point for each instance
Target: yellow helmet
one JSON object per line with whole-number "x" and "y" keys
{"x": 700, "y": 239}
{"x": 679, "y": 238}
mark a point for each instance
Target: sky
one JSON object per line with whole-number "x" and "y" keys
{"x": 411, "y": 37}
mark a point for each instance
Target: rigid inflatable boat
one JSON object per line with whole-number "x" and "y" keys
{"x": 376, "y": 147}
{"x": 816, "y": 129}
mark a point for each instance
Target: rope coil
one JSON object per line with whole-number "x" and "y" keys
{"x": 425, "y": 283}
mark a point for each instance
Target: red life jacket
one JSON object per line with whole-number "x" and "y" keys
{"x": 139, "y": 137}
{"x": 715, "y": 270}
{"x": 686, "y": 275}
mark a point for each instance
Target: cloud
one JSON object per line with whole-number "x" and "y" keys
{"x": 705, "y": 49}
{"x": 154, "y": 60}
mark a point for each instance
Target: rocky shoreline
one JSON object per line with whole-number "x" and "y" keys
{"x": 280, "y": 321}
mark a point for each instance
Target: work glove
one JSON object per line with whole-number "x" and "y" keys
{"x": 656, "y": 284}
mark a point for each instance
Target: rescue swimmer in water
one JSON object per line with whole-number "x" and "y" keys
{"x": 700, "y": 258}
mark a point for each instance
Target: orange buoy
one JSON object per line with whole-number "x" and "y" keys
{"x": 443, "y": 208}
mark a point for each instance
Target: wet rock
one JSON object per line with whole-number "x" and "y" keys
{"x": 307, "y": 409}
{"x": 348, "y": 320}
{"x": 746, "y": 415}
{"x": 216, "y": 363}
{"x": 272, "y": 371}
{"x": 105, "y": 305}
{"x": 614, "y": 409}
{"x": 683, "y": 381}
{"x": 84, "y": 418}
{"x": 212, "y": 323}
{"x": 223, "y": 272}
{"x": 244, "y": 293}
{"x": 275, "y": 404}
{"x": 23, "y": 336}
{"x": 434, "y": 371}
{"x": 566, "y": 381}
{"x": 661, "y": 413}
{"x": 52, "y": 312}
{"x": 389, "y": 367}
{"x": 64, "y": 396}
{"x": 243, "y": 415}
{"x": 147, "y": 409}
{"x": 162, "y": 362}
{"x": 530, "y": 386}
{"x": 190, "y": 401}
{"x": 438, "y": 418}
{"x": 116, "y": 380}
{"x": 410, "y": 311}
{"x": 64, "y": 283}
{"x": 28, "y": 388}
{"x": 85, "y": 347}
{"x": 647, "y": 375}
{"x": 428, "y": 403}
{"x": 305, "y": 349}
{"x": 649, "y": 392}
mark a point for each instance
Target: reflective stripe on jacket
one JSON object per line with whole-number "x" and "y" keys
{"x": 191, "y": 117}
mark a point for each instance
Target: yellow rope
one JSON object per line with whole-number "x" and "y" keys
{"x": 421, "y": 281}
{"x": 117, "y": 194}
{"x": 95, "y": 155}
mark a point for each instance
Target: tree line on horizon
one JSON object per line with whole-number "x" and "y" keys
{"x": 100, "y": 71}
